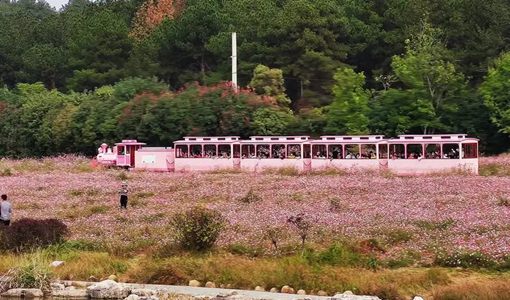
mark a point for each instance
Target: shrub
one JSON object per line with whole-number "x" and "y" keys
{"x": 503, "y": 201}
{"x": 465, "y": 260}
{"x": 25, "y": 234}
{"x": 198, "y": 228}
{"x": 250, "y": 197}
{"x": 397, "y": 235}
{"x": 302, "y": 225}
{"x": 6, "y": 172}
{"x": 275, "y": 235}
{"x": 32, "y": 271}
{"x": 338, "y": 254}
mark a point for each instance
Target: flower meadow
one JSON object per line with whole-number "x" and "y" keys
{"x": 423, "y": 215}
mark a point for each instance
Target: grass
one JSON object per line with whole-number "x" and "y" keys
{"x": 493, "y": 169}
{"x": 335, "y": 269}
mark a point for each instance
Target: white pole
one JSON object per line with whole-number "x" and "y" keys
{"x": 234, "y": 61}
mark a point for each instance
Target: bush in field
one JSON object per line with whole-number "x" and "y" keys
{"x": 465, "y": 260}
{"x": 32, "y": 271}
{"x": 198, "y": 228}
{"x": 250, "y": 197}
{"x": 27, "y": 234}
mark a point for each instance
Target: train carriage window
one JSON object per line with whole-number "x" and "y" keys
{"x": 432, "y": 151}
{"x": 397, "y": 151}
{"x": 319, "y": 151}
{"x": 196, "y": 151}
{"x": 294, "y": 151}
{"x": 278, "y": 151}
{"x": 181, "y": 151}
{"x": 414, "y": 151}
{"x": 248, "y": 151}
{"x": 470, "y": 150}
{"x": 210, "y": 151}
{"x": 451, "y": 151}
{"x": 383, "y": 151}
{"x": 224, "y": 151}
{"x": 335, "y": 151}
{"x": 368, "y": 151}
{"x": 352, "y": 151}
{"x": 263, "y": 151}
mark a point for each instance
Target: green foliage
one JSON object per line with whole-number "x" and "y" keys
{"x": 494, "y": 90}
{"x": 250, "y": 197}
{"x": 271, "y": 121}
{"x": 32, "y": 271}
{"x": 198, "y": 228}
{"x": 465, "y": 260}
{"x": 418, "y": 67}
{"x": 348, "y": 114}
{"x": 338, "y": 254}
{"x": 270, "y": 82}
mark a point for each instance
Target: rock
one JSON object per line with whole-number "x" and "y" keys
{"x": 24, "y": 293}
{"x": 194, "y": 283}
{"x": 79, "y": 284}
{"x": 285, "y": 289}
{"x": 273, "y": 290}
{"x": 143, "y": 292}
{"x": 93, "y": 278}
{"x": 132, "y": 297}
{"x": 71, "y": 288}
{"x": 210, "y": 284}
{"x": 350, "y": 293}
{"x": 113, "y": 277}
{"x": 291, "y": 290}
{"x": 57, "y": 286}
{"x": 301, "y": 292}
{"x": 418, "y": 298}
{"x": 57, "y": 263}
{"x": 258, "y": 288}
{"x": 322, "y": 293}
{"x": 108, "y": 289}
{"x": 70, "y": 293}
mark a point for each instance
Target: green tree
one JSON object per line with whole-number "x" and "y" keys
{"x": 348, "y": 114}
{"x": 270, "y": 82}
{"x": 495, "y": 90}
{"x": 432, "y": 88}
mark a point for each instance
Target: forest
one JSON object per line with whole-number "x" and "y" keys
{"x": 101, "y": 71}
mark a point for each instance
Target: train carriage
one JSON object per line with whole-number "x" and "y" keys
{"x": 405, "y": 154}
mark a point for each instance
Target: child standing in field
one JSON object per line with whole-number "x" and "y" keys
{"x": 123, "y": 192}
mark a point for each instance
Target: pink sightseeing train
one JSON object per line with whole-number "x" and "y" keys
{"x": 406, "y": 154}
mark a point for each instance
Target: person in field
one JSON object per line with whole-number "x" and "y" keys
{"x": 123, "y": 192}
{"x": 5, "y": 211}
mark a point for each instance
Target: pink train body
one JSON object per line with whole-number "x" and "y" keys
{"x": 406, "y": 154}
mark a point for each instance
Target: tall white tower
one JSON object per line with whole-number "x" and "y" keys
{"x": 234, "y": 61}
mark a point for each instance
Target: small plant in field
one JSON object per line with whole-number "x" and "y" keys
{"x": 198, "y": 228}
{"x": 335, "y": 204}
{"x": 397, "y": 236}
{"x": 32, "y": 271}
{"x": 6, "y": 172}
{"x": 464, "y": 259}
{"x": 250, "y": 197}
{"x": 435, "y": 225}
{"x": 302, "y": 225}
{"x": 26, "y": 234}
{"x": 503, "y": 201}
{"x": 122, "y": 176}
{"x": 275, "y": 235}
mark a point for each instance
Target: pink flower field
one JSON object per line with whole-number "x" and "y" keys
{"x": 406, "y": 214}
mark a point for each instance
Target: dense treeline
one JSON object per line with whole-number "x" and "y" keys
{"x": 153, "y": 70}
